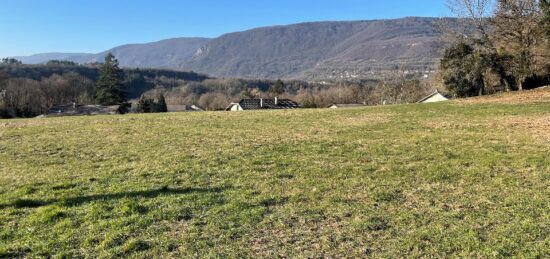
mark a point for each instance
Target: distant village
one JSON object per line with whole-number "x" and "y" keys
{"x": 74, "y": 109}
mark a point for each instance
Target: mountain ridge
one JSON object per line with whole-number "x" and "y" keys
{"x": 309, "y": 50}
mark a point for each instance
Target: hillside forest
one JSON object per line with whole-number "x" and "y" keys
{"x": 30, "y": 90}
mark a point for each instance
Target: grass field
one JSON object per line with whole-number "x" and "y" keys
{"x": 436, "y": 180}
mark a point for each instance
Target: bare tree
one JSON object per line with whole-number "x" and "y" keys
{"x": 474, "y": 15}
{"x": 517, "y": 32}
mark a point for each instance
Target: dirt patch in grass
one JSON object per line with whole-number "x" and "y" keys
{"x": 539, "y": 95}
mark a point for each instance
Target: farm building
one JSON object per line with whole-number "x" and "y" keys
{"x": 260, "y": 103}
{"x": 434, "y": 98}
{"x": 345, "y": 105}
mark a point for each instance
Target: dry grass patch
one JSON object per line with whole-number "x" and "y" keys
{"x": 369, "y": 118}
{"x": 539, "y": 95}
{"x": 537, "y": 126}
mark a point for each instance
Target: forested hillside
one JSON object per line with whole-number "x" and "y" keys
{"x": 30, "y": 90}
{"x": 325, "y": 50}
{"x": 162, "y": 54}
{"x": 309, "y": 51}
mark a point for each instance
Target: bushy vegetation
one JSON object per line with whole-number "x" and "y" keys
{"x": 147, "y": 105}
{"x": 437, "y": 180}
{"x": 30, "y": 90}
{"x": 502, "y": 48}
{"x": 24, "y": 97}
{"x": 216, "y": 94}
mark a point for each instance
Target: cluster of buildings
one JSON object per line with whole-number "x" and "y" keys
{"x": 242, "y": 105}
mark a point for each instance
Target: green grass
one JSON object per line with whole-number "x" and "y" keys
{"x": 438, "y": 180}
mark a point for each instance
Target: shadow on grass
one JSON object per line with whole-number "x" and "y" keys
{"x": 74, "y": 201}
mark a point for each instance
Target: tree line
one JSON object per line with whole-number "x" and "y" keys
{"x": 503, "y": 46}
{"x": 216, "y": 94}
{"x": 30, "y": 90}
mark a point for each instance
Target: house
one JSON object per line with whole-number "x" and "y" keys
{"x": 434, "y": 98}
{"x": 345, "y": 105}
{"x": 260, "y": 103}
{"x": 75, "y": 109}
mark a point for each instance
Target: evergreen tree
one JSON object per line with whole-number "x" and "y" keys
{"x": 109, "y": 88}
{"x": 161, "y": 105}
{"x": 278, "y": 88}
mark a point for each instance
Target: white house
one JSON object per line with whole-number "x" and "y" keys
{"x": 434, "y": 98}
{"x": 234, "y": 107}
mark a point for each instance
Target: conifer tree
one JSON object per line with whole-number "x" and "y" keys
{"x": 277, "y": 88}
{"x": 109, "y": 88}
{"x": 162, "y": 107}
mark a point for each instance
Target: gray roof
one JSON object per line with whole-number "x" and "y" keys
{"x": 347, "y": 105}
{"x": 183, "y": 108}
{"x": 259, "y": 103}
{"x": 72, "y": 109}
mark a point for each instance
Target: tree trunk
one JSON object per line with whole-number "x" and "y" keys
{"x": 520, "y": 85}
{"x": 506, "y": 85}
{"x": 480, "y": 93}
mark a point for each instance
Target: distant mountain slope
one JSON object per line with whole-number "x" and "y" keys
{"x": 322, "y": 50}
{"x": 314, "y": 51}
{"x": 162, "y": 54}
{"x": 45, "y": 57}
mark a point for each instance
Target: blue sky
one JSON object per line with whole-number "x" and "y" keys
{"x": 36, "y": 26}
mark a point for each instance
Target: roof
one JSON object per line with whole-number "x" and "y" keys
{"x": 183, "y": 108}
{"x": 347, "y": 105}
{"x": 432, "y": 95}
{"x": 259, "y": 103}
{"x": 72, "y": 109}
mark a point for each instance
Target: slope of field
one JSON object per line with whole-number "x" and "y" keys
{"x": 538, "y": 95}
{"x": 435, "y": 180}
